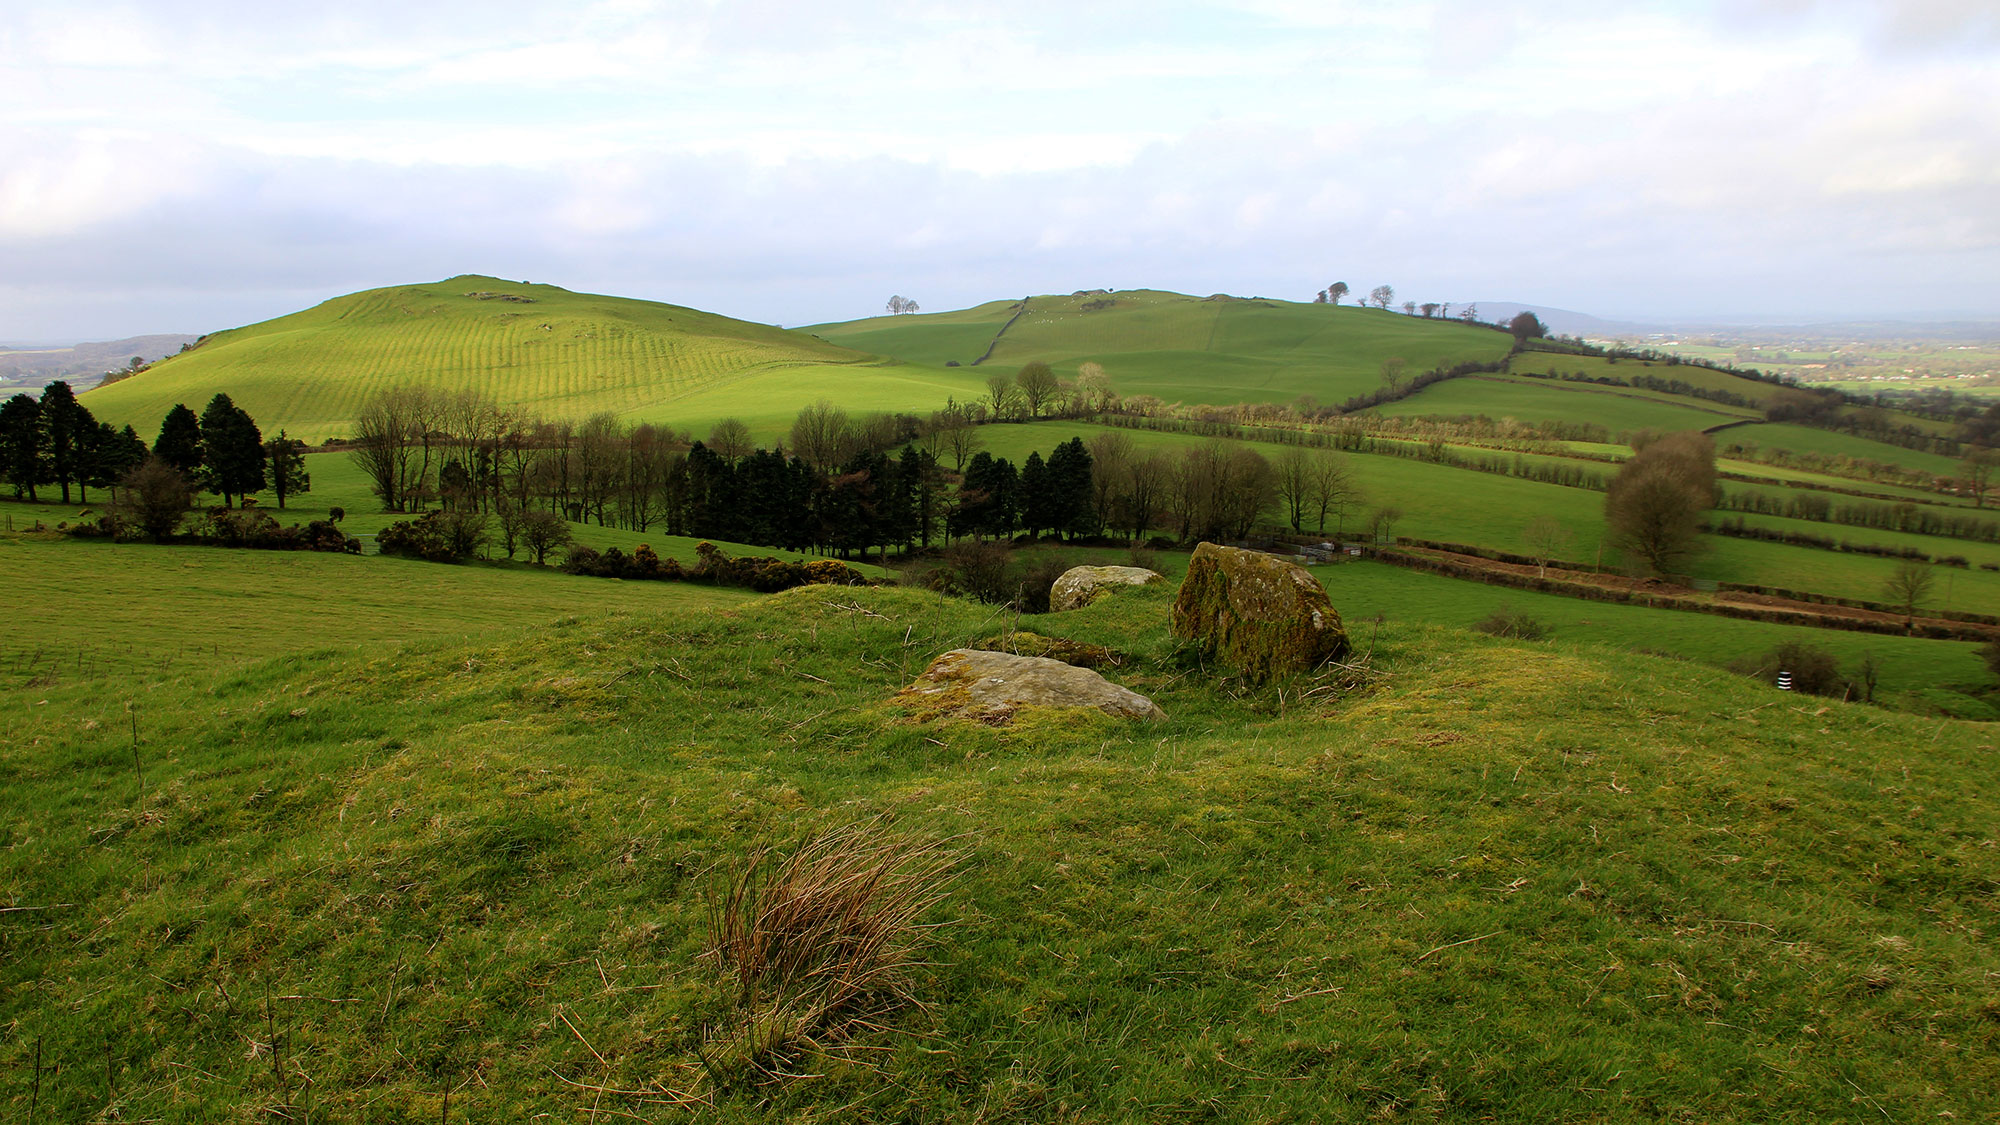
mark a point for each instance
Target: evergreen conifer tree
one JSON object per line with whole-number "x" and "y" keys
{"x": 21, "y": 457}
{"x": 232, "y": 450}
{"x": 179, "y": 443}
{"x": 288, "y": 466}
{"x": 1036, "y": 500}
{"x": 67, "y": 429}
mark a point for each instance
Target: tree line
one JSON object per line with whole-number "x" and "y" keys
{"x": 837, "y": 484}
{"x": 56, "y": 441}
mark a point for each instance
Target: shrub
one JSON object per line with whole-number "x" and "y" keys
{"x": 1036, "y": 579}
{"x": 1506, "y": 622}
{"x": 824, "y": 944}
{"x": 1814, "y": 669}
{"x": 436, "y": 536}
{"x": 972, "y": 569}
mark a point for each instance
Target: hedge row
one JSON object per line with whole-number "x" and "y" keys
{"x": 1588, "y": 592}
{"x": 761, "y": 573}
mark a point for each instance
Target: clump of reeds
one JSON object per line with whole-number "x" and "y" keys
{"x": 823, "y": 945}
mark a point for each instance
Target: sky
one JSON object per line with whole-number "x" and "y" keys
{"x": 174, "y": 166}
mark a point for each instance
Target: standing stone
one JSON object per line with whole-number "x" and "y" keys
{"x": 1081, "y": 585}
{"x": 1262, "y": 615}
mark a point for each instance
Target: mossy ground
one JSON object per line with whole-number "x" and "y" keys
{"x": 1519, "y": 882}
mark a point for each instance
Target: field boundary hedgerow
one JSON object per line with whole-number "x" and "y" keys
{"x": 1660, "y": 595}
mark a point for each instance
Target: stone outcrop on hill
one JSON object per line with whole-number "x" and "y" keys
{"x": 1081, "y": 585}
{"x": 991, "y": 686}
{"x": 1261, "y": 615}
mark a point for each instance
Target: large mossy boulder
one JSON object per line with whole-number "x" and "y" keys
{"x": 991, "y": 686}
{"x": 1081, "y": 585}
{"x": 1259, "y": 614}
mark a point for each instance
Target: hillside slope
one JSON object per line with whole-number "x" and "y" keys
{"x": 1211, "y": 350}
{"x": 1498, "y": 882}
{"x": 536, "y": 347}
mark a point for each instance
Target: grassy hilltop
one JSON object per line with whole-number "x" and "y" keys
{"x": 536, "y": 347}
{"x": 1487, "y": 881}
{"x": 1215, "y": 350}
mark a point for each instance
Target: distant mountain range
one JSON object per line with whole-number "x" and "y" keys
{"x": 28, "y": 367}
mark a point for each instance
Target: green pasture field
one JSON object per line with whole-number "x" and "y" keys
{"x": 468, "y": 880}
{"x": 1453, "y": 505}
{"x": 564, "y": 355}
{"x": 1598, "y": 366}
{"x": 931, "y": 339}
{"x": 1805, "y": 439}
{"x": 770, "y": 402}
{"x": 96, "y": 608}
{"x": 1856, "y": 483}
{"x": 1186, "y": 349}
{"x": 1362, "y": 590}
{"x": 1619, "y": 409}
{"x": 338, "y": 483}
{"x": 1969, "y": 388}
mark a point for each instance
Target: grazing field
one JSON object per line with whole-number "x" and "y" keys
{"x": 1363, "y": 590}
{"x": 533, "y": 347}
{"x": 93, "y": 608}
{"x": 1756, "y": 391}
{"x": 1214, "y": 350}
{"x": 469, "y": 880}
{"x": 1827, "y": 443}
{"x": 1618, "y": 409}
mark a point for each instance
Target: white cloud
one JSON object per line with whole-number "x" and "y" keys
{"x": 1564, "y": 152}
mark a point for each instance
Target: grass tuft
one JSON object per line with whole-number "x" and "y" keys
{"x": 823, "y": 946}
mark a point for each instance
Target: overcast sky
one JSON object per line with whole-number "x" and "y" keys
{"x": 190, "y": 166}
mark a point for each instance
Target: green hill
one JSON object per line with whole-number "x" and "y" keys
{"x": 1212, "y": 350}
{"x": 535, "y": 347}
{"x": 469, "y": 879}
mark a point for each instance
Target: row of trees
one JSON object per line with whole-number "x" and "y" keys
{"x": 838, "y": 484}
{"x": 56, "y": 441}
{"x": 1382, "y": 296}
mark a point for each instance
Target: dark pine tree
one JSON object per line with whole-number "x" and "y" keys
{"x": 21, "y": 456}
{"x": 179, "y": 443}
{"x": 232, "y": 450}
{"x": 1072, "y": 513}
{"x": 110, "y": 454}
{"x": 67, "y": 429}
{"x": 1037, "y": 503}
{"x": 286, "y": 456}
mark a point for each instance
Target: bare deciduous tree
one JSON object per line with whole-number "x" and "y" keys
{"x": 1546, "y": 539}
{"x": 1908, "y": 585}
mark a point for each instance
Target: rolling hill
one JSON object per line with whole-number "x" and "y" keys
{"x": 1209, "y": 350}
{"x": 536, "y": 347}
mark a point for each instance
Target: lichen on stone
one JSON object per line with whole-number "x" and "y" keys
{"x": 1261, "y": 615}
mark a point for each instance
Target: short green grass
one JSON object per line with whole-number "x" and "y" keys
{"x": 1185, "y": 349}
{"x": 566, "y": 355}
{"x": 1618, "y": 409}
{"x": 1806, "y": 439}
{"x": 1515, "y": 882}
{"x": 97, "y": 606}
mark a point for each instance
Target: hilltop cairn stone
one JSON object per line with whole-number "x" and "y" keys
{"x": 990, "y": 686}
{"x": 1081, "y": 585}
{"x": 1262, "y": 615}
